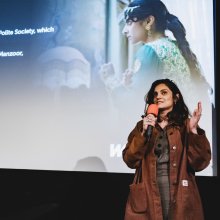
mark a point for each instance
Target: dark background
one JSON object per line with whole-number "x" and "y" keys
{"x": 64, "y": 195}
{"x": 51, "y": 195}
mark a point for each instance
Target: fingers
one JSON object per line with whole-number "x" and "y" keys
{"x": 198, "y": 111}
{"x": 149, "y": 120}
{"x": 107, "y": 69}
{"x": 127, "y": 77}
{"x": 199, "y": 108}
{"x": 128, "y": 73}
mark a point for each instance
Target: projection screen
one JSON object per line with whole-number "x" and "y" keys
{"x": 56, "y": 111}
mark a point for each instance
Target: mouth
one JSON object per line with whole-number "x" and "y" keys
{"x": 159, "y": 102}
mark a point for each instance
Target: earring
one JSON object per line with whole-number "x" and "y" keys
{"x": 148, "y": 30}
{"x": 149, "y": 34}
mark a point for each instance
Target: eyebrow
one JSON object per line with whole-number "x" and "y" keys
{"x": 162, "y": 90}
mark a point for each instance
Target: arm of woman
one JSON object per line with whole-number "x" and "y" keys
{"x": 135, "y": 148}
{"x": 199, "y": 150}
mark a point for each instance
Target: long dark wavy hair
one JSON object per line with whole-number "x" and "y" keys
{"x": 180, "y": 111}
{"x": 139, "y": 10}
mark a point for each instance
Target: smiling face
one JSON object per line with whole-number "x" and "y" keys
{"x": 163, "y": 97}
{"x": 135, "y": 31}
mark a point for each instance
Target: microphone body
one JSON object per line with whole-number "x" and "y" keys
{"x": 152, "y": 109}
{"x": 149, "y": 131}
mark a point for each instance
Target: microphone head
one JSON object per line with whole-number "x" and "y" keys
{"x": 152, "y": 109}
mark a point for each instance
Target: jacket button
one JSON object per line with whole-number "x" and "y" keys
{"x": 174, "y": 182}
{"x": 174, "y": 164}
{"x": 174, "y": 147}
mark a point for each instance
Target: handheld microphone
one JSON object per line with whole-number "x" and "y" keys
{"x": 152, "y": 109}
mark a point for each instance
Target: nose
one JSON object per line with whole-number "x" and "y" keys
{"x": 125, "y": 30}
{"x": 157, "y": 97}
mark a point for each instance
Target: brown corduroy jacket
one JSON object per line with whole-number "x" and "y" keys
{"x": 189, "y": 153}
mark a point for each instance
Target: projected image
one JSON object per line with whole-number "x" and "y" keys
{"x": 177, "y": 55}
{"x": 73, "y": 80}
{"x": 130, "y": 75}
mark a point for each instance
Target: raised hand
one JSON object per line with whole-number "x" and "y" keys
{"x": 106, "y": 71}
{"x": 108, "y": 76}
{"x": 127, "y": 77}
{"x": 194, "y": 120}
